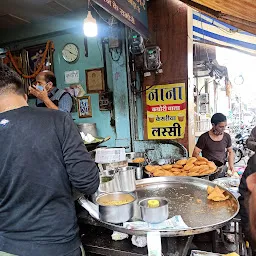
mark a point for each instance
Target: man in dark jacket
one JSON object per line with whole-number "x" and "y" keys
{"x": 243, "y": 199}
{"x": 251, "y": 183}
{"x": 42, "y": 158}
{"x": 251, "y": 141}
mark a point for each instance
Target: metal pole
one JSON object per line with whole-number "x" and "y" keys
{"x": 130, "y": 93}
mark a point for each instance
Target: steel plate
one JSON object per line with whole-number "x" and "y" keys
{"x": 230, "y": 183}
{"x": 187, "y": 197}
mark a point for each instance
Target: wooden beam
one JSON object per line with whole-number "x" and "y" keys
{"x": 242, "y": 24}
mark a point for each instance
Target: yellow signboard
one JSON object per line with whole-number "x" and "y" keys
{"x": 166, "y": 111}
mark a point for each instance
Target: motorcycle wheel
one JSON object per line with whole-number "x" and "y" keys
{"x": 238, "y": 155}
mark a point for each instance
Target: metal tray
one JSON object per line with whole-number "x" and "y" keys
{"x": 182, "y": 194}
{"x": 228, "y": 182}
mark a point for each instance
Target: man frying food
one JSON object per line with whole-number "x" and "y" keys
{"x": 215, "y": 145}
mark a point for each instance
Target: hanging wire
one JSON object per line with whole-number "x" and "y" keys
{"x": 100, "y": 51}
{"x": 228, "y": 31}
{"x": 136, "y": 91}
{"x": 90, "y": 4}
{"x": 111, "y": 22}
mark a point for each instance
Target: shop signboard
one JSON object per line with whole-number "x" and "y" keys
{"x": 132, "y": 13}
{"x": 166, "y": 111}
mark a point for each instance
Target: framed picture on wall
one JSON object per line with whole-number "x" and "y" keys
{"x": 84, "y": 107}
{"x": 95, "y": 80}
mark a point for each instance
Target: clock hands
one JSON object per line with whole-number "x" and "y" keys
{"x": 70, "y": 52}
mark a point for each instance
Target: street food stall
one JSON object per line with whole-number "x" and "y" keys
{"x": 164, "y": 202}
{"x": 173, "y": 205}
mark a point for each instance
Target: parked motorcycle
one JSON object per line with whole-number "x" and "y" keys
{"x": 239, "y": 147}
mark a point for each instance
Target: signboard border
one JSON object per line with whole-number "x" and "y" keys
{"x": 141, "y": 29}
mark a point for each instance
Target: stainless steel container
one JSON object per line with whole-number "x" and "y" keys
{"x": 154, "y": 215}
{"x": 119, "y": 213}
{"x": 109, "y": 181}
{"x": 117, "y": 180}
{"x": 139, "y": 173}
{"x": 88, "y": 128}
{"x": 126, "y": 177}
{"x": 132, "y": 155}
{"x": 108, "y": 172}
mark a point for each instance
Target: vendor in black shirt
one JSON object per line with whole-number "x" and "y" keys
{"x": 42, "y": 158}
{"x": 215, "y": 145}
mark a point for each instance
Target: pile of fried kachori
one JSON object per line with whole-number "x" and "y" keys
{"x": 193, "y": 166}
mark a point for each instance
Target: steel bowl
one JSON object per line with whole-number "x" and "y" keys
{"x": 154, "y": 215}
{"x": 116, "y": 213}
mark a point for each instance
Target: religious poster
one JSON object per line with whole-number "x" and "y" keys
{"x": 35, "y": 56}
{"x": 95, "y": 80}
{"x": 166, "y": 111}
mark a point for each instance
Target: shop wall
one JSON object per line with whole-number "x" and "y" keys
{"x": 117, "y": 80}
{"x": 170, "y": 25}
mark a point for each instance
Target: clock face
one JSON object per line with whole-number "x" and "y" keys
{"x": 70, "y": 52}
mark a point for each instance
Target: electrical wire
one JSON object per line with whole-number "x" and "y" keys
{"x": 141, "y": 91}
{"x": 228, "y": 31}
{"x": 101, "y": 53}
{"x": 136, "y": 91}
{"x": 99, "y": 13}
{"x": 110, "y": 23}
{"x": 224, "y": 30}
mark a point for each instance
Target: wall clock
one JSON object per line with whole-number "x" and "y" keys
{"x": 70, "y": 53}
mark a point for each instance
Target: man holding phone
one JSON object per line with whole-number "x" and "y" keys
{"x": 48, "y": 95}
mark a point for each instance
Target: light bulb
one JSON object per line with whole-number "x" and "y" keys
{"x": 90, "y": 26}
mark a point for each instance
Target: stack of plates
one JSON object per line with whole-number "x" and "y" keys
{"x": 230, "y": 183}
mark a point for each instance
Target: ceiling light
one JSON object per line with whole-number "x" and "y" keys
{"x": 90, "y": 26}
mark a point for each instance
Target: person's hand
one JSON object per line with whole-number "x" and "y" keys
{"x": 232, "y": 169}
{"x": 41, "y": 95}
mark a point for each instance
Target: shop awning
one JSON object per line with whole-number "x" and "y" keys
{"x": 238, "y": 13}
{"x": 212, "y": 31}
